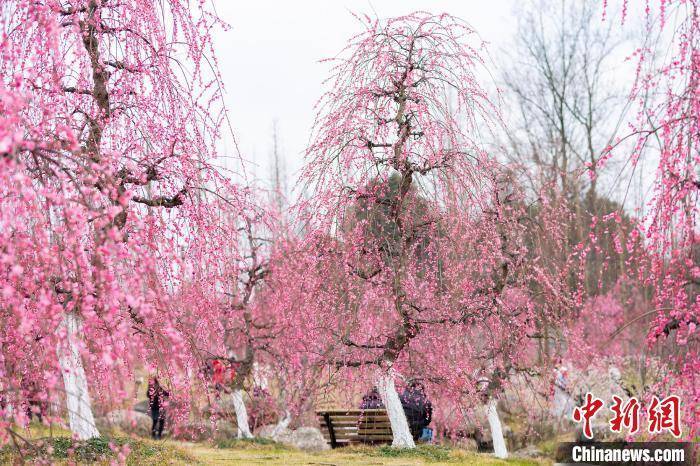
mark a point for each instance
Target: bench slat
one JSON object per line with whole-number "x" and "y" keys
{"x": 342, "y": 441}
{"x": 357, "y": 424}
{"x": 343, "y": 435}
{"x": 352, "y": 412}
{"x": 343, "y": 429}
{"x": 356, "y": 436}
{"x": 360, "y": 431}
{"x": 357, "y": 419}
{"x": 339, "y": 437}
{"x": 348, "y": 432}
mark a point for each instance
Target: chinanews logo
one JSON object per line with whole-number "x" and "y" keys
{"x": 663, "y": 416}
{"x": 627, "y": 453}
{"x": 656, "y": 417}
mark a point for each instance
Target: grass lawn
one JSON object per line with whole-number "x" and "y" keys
{"x": 239, "y": 454}
{"x": 41, "y": 443}
{"x": 57, "y": 445}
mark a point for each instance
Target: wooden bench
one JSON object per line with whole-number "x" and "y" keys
{"x": 342, "y": 427}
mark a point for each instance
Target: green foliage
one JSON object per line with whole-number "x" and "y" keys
{"x": 426, "y": 452}
{"x": 89, "y": 451}
{"x": 431, "y": 454}
{"x": 393, "y": 220}
{"x": 97, "y": 450}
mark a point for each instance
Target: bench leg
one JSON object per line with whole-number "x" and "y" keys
{"x": 331, "y": 432}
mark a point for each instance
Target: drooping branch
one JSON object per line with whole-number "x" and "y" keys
{"x": 162, "y": 201}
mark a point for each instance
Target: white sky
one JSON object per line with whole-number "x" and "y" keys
{"x": 269, "y": 61}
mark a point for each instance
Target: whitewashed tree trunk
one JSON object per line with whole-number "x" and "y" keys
{"x": 80, "y": 417}
{"x": 241, "y": 414}
{"x": 563, "y": 404}
{"x": 282, "y": 424}
{"x": 499, "y": 443}
{"x": 394, "y": 409}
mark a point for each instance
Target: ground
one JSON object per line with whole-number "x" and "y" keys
{"x": 275, "y": 454}
{"x": 55, "y": 444}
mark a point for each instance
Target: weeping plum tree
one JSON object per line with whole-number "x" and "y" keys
{"x": 667, "y": 92}
{"x": 232, "y": 299}
{"x": 104, "y": 149}
{"x": 417, "y": 235}
{"x": 246, "y": 330}
{"x": 239, "y": 330}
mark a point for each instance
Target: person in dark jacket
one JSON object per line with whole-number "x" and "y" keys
{"x": 157, "y": 396}
{"x": 418, "y": 409}
{"x": 34, "y": 401}
{"x": 372, "y": 400}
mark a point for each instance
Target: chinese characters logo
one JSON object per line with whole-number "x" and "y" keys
{"x": 662, "y": 415}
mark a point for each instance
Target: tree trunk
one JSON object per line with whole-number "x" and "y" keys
{"x": 397, "y": 416}
{"x": 563, "y": 404}
{"x": 282, "y": 424}
{"x": 241, "y": 414}
{"x": 80, "y": 417}
{"x": 499, "y": 443}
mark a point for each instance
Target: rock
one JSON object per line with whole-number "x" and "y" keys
{"x": 305, "y": 438}
{"x": 268, "y": 431}
{"x": 265, "y": 431}
{"x": 143, "y": 407}
{"x": 308, "y": 438}
{"x": 128, "y": 421}
{"x": 529, "y": 451}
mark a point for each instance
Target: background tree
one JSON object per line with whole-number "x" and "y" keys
{"x": 560, "y": 76}
{"x": 418, "y": 231}
{"x": 666, "y": 130}
{"x": 561, "y": 79}
{"x": 278, "y": 171}
{"x": 242, "y": 248}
